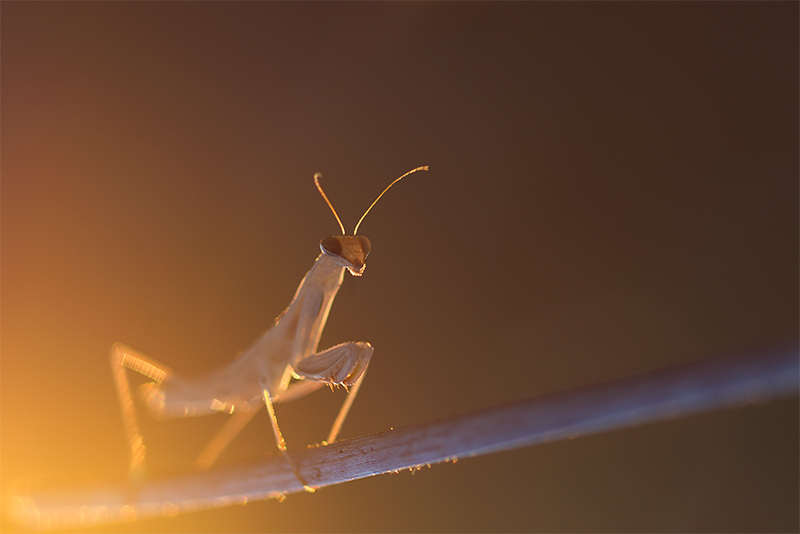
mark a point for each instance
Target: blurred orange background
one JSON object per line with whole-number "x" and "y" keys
{"x": 613, "y": 189}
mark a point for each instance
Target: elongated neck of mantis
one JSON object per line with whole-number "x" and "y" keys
{"x": 325, "y": 276}
{"x": 327, "y": 266}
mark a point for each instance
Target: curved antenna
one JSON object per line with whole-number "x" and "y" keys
{"x": 317, "y": 176}
{"x": 425, "y": 168}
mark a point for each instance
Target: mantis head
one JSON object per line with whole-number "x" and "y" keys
{"x": 351, "y": 251}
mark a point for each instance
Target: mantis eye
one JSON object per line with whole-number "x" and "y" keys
{"x": 331, "y": 245}
{"x": 366, "y": 246}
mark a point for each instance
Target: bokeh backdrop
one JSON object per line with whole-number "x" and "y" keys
{"x": 613, "y": 189}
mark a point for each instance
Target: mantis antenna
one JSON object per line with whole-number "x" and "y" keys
{"x": 317, "y": 176}
{"x": 425, "y": 168}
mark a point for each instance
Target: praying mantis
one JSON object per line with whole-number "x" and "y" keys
{"x": 262, "y": 374}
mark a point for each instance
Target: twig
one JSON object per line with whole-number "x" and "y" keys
{"x": 652, "y": 397}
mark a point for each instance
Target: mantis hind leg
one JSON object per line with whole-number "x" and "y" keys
{"x": 122, "y": 358}
{"x": 238, "y": 420}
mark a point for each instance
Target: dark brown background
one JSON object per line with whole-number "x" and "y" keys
{"x": 613, "y": 189}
